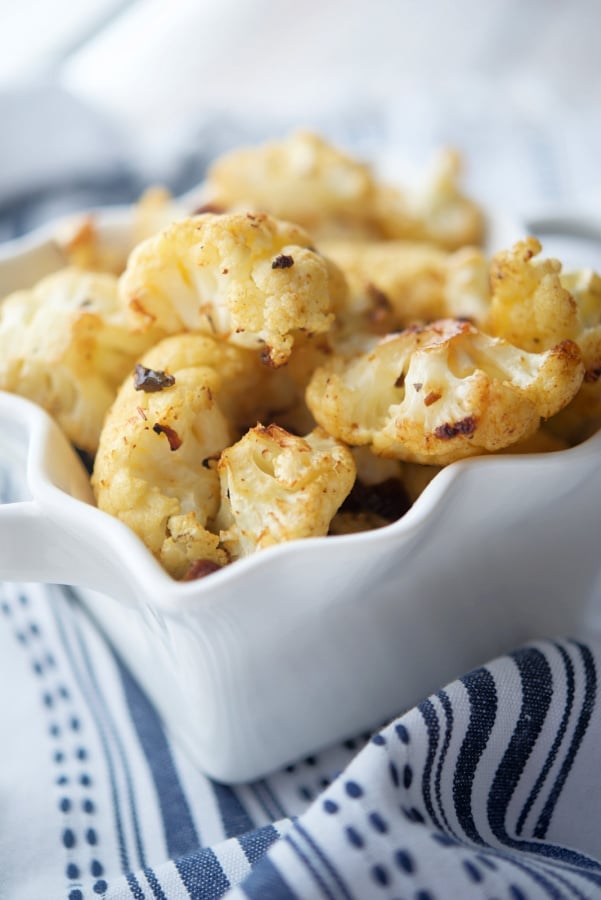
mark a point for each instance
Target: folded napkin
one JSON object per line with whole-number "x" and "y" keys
{"x": 489, "y": 788}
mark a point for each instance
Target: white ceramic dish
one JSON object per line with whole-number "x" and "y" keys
{"x": 313, "y": 641}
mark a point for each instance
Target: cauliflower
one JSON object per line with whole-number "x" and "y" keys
{"x": 443, "y": 392}
{"x": 277, "y": 487}
{"x": 435, "y": 211}
{"x": 535, "y": 305}
{"x": 155, "y": 210}
{"x": 301, "y": 179}
{"x": 393, "y": 284}
{"x": 306, "y": 180}
{"x": 585, "y": 288}
{"x": 582, "y": 417}
{"x": 65, "y": 345}
{"x": 248, "y": 278}
{"x": 156, "y": 464}
{"x": 529, "y": 307}
{"x": 82, "y": 246}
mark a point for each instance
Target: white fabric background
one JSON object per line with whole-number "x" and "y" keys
{"x": 516, "y": 85}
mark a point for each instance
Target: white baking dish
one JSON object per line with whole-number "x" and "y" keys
{"x": 312, "y": 641}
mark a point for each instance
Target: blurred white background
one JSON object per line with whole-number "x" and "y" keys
{"x": 98, "y": 99}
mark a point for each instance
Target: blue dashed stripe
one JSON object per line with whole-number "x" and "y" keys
{"x": 92, "y": 706}
{"x": 105, "y": 711}
{"x": 69, "y": 837}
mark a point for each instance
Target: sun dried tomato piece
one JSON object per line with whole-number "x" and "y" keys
{"x": 151, "y": 380}
{"x": 450, "y": 430}
{"x": 283, "y": 261}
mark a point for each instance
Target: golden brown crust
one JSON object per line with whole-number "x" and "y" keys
{"x": 443, "y": 392}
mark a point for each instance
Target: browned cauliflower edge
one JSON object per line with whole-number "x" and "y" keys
{"x": 442, "y": 392}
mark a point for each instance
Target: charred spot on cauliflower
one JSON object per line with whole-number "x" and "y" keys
{"x": 215, "y": 274}
{"x": 276, "y": 486}
{"x": 442, "y": 392}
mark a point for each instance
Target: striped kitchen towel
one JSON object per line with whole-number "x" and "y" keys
{"x": 489, "y": 789}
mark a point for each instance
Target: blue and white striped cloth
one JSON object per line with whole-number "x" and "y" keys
{"x": 489, "y": 789}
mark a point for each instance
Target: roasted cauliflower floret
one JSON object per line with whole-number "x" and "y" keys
{"x": 443, "y": 392}
{"x": 394, "y": 284}
{"x": 534, "y": 305}
{"x": 583, "y": 415}
{"x": 65, "y": 345}
{"x": 529, "y": 307}
{"x": 306, "y": 180}
{"x": 247, "y": 390}
{"x": 301, "y": 179}
{"x": 85, "y": 247}
{"x": 155, "y": 466}
{"x": 435, "y": 210}
{"x": 585, "y": 288}
{"x": 277, "y": 487}
{"x": 248, "y": 278}
{"x": 155, "y": 210}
